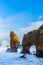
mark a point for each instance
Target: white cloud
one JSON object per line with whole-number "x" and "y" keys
{"x": 3, "y": 32}
{"x": 39, "y": 17}
{"x": 15, "y": 23}
{"x": 3, "y": 35}
{"x": 12, "y": 23}
{"x": 32, "y": 26}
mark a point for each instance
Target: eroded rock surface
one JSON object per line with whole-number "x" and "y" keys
{"x": 34, "y": 37}
{"x": 14, "y": 42}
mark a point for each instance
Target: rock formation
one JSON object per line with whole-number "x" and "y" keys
{"x": 14, "y": 42}
{"x": 34, "y": 37}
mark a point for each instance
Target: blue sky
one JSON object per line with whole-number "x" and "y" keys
{"x": 21, "y": 16}
{"x": 12, "y": 7}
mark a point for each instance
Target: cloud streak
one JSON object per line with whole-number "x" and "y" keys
{"x": 32, "y": 26}
{"x": 20, "y": 23}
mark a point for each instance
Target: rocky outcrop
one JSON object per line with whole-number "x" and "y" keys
{"x": 14, "y": 42}
{"x": 34, "y": 37}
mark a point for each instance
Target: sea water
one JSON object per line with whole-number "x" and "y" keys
{"x": 11, "y": 58}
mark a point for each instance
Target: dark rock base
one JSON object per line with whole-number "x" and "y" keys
{"x": 25, "y": 52}
{"x": 23, "y": 56}
{"x": 11, "y": 50}
{"x": 39, "y": 54}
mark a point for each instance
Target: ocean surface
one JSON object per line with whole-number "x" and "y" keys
{"x": 11, "y": 58}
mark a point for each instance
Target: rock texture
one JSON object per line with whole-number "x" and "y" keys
{"x": 14, "y": 42}
{"x": 34, "y": 37}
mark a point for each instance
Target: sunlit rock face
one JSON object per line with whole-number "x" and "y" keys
{"x": 34, "y": 37}
{"x": 14, "y": 42}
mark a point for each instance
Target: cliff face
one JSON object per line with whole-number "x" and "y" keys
{"x": 34, "y": 37}
{"x": 14, "y": 41}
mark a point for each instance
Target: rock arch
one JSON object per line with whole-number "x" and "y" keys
{"x": 33, "y": 49}
{"x": 34, "y": 37}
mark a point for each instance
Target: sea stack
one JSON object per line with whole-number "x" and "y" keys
{"x": 34, "y": 37}
{"x": 14, "y": 42}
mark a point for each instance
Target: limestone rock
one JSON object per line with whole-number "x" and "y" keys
{"x": 14, "y": 42}
{"x": 34, "y": 37}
